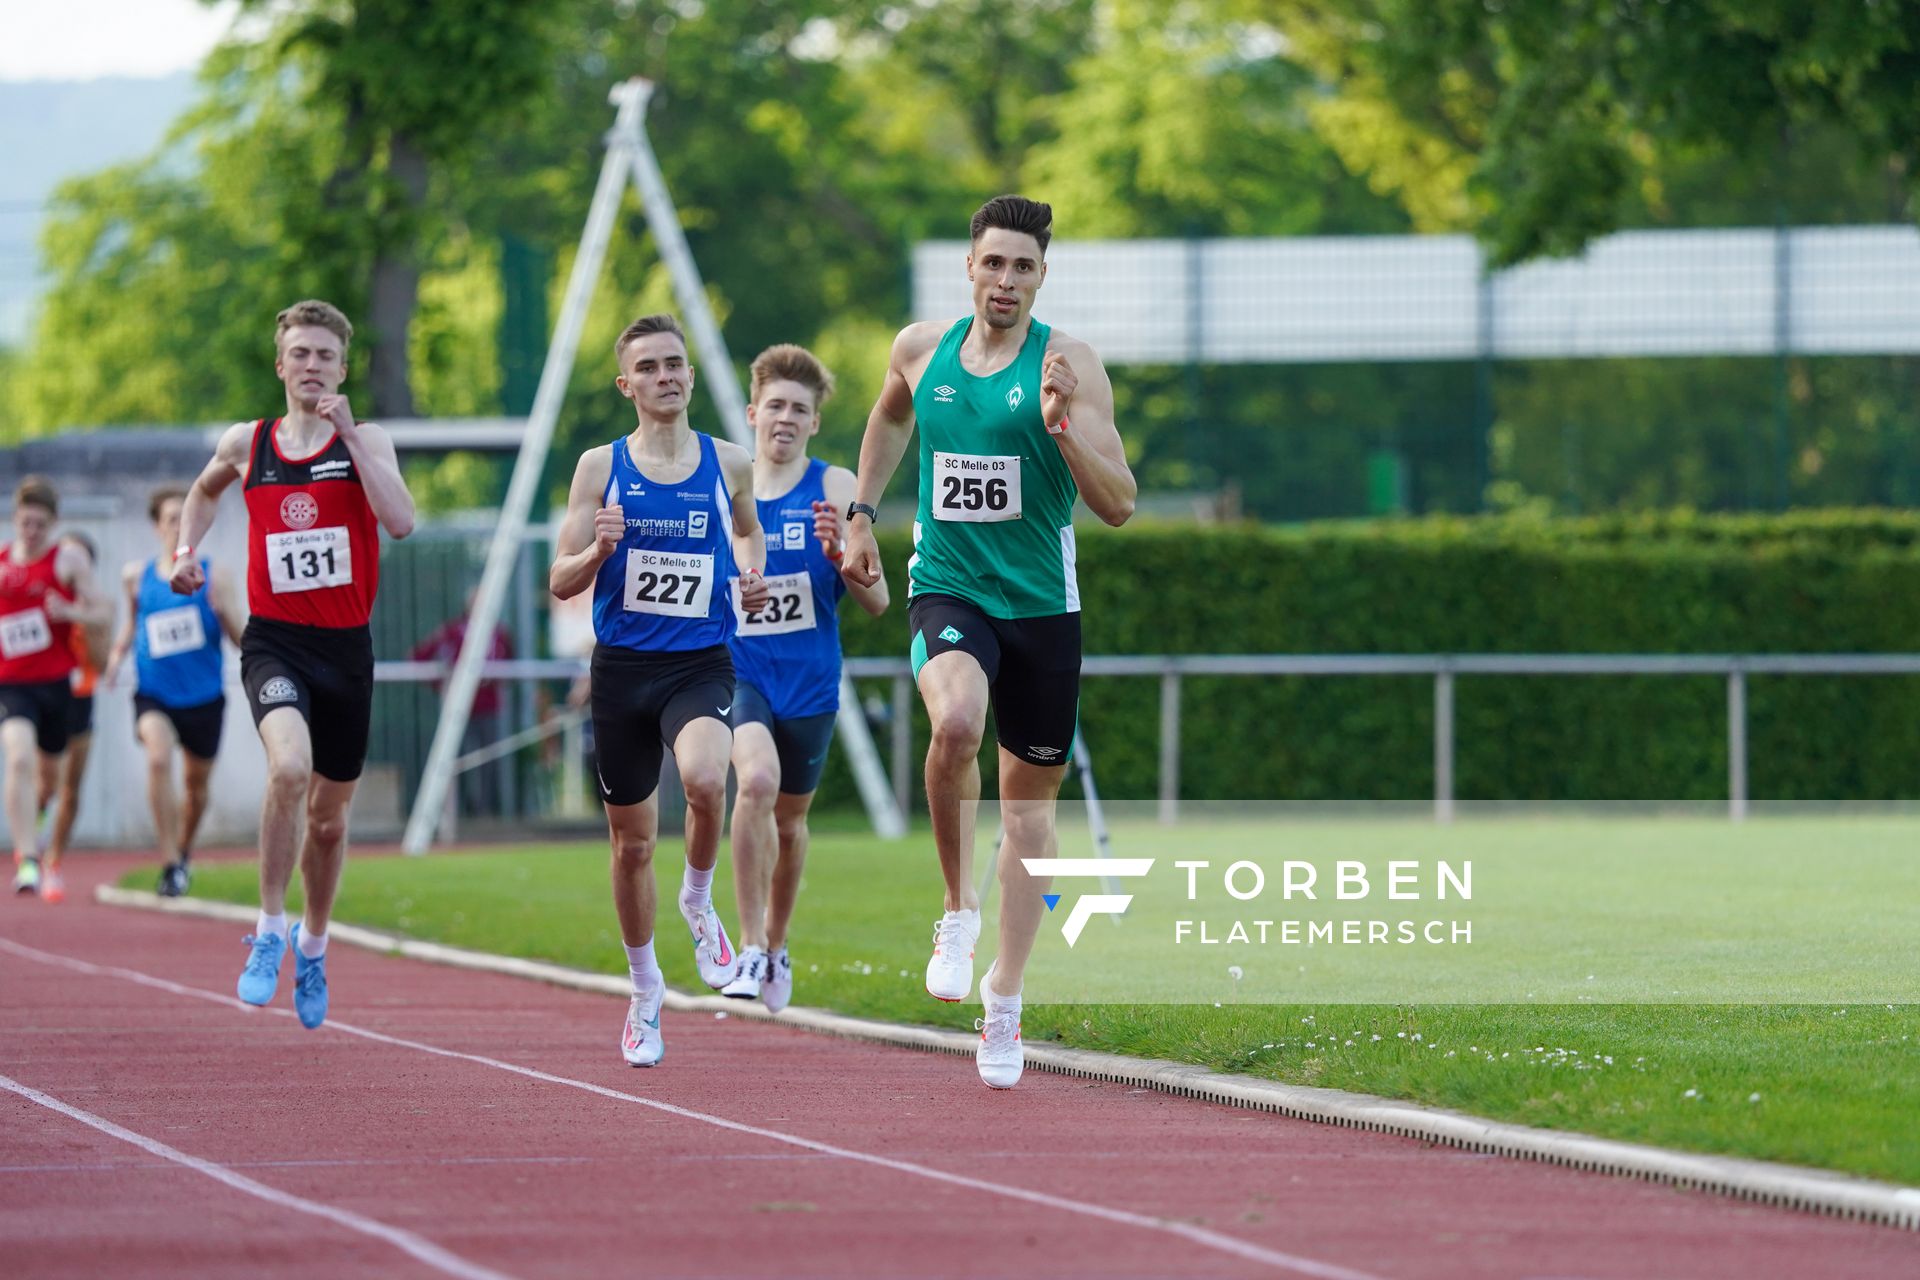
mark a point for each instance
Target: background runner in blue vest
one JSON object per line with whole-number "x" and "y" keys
{"x": 647, "y": 528}
{"x": 179, "y": 703}
{"x": 786, "y": 661}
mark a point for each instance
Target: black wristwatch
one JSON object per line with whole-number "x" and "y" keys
{"x": 862, "y": 509}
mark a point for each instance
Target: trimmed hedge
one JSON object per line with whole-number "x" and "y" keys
{"x": 1816, "y": 582}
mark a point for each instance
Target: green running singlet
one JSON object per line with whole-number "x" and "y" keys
{"x": 995, "y": 520}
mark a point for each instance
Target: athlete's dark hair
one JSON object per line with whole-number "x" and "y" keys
{"x": 789, "y": 363}
{"x": 662, "y": 323}
{"x": 1015, "y": 213}
{"x": 314, "y": 312}
{"x": 37, "y": 491}
{"x": 160, "y": 497}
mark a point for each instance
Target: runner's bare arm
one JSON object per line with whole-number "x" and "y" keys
{"x": 829, "y": 525}
{"x": 889, "y": 428}
{"x": 92, "y": 608}
{"x": 1074, "y": 379}
{"x": 226, "y": 605}
{"x": 123, "y": 641}
{"x": 377, "y": 463}
{"x": 590, "y": 532}
{"x": 229, "y": 463}
{"x": 749, "y": 539}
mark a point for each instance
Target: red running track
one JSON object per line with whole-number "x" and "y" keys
{"x": 448, "y": 1123}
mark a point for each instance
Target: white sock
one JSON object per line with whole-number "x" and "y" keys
{"x": 312, "y": 945}
{"x": 991, "y": 996}
{"x": 696, "y": 888}
{"x": 267, "y": 924}
{"x": 643, "y": 969}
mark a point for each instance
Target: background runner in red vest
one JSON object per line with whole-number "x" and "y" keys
{"x": 89, "y": 642}
{"x": 44, "y": 591}
{"x": 316, "y": 483}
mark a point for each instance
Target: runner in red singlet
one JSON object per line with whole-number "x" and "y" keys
{"x": 44, "y": 590}
{"x": 319, "y": 488}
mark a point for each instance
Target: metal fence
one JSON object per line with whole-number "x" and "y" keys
{"x": 1334, "y": 376}
{"x": 1443, "y": 669}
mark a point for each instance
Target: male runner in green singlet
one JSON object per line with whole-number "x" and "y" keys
{"x": 993, "y": 603}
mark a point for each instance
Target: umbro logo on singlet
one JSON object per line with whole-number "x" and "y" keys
{"x": 943, "y": 394}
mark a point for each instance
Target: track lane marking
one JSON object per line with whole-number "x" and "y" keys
{"x": 422, "y": 1250}
{"x": 1310, "y": 1267}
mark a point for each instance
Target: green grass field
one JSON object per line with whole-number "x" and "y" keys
{"x": 1815, "y": 1082}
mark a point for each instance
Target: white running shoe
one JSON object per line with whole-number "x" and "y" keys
{"x": 950, "y": 970}
{"x": 640, "y": 1042}
{"x": 712, "y": 952}
{"x": 1000, "y": 1056}
{"x": 753, "y": 971}
{"x": 776, "y": 989}
{"x": 26, "y": 875}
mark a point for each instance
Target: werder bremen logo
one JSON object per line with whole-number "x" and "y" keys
{"x": 1087, "y": 904}
{"x": 1015, "y": 396}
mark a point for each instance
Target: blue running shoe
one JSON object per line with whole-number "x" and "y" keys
{"x": 261, "y": 978}
{"x": 309, "y": 985}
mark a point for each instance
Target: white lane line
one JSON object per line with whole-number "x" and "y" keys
{"x": 423, "y": 1250}
{"x": 1197, "y": 1235}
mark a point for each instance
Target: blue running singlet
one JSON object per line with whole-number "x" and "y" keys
{"x": 176, "y": 641}
{"x": 665, "y": 589}
{"x": 790, "y": 650}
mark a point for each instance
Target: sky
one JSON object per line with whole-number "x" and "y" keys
{"x": 85, "y": 39}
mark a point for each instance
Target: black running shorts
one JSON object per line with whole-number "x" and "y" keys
{"x": 324, "y": 673}
{"x": 197, "y": 727}
{"x": 800, "y": 741}
{"x": 641, "y": 702}
{"x": 45, "y": 702}
{"x": 1032, "y": 667}
{"x": 79, "y": 716}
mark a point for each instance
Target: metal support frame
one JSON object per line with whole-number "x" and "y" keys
{"x": 629, "y": 156}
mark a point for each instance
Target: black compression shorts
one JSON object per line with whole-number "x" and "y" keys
{"x": 197, "y": 727}
{"x": 641, "y": 702}
{"x": 800, "y": 741}
{"x": 45, "y": 703}
{"x": 1032, "y": 667}
{"x": 324, "y": 673}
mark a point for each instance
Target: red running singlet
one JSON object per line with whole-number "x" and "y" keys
{"x": 33, "y": 647}
{"x": 313, "y": 545}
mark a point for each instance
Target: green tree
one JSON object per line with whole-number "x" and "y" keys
{"x": 411, "y": 89}
{"x": 322, "y": 160}
{"x": 1541, "y": 126}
